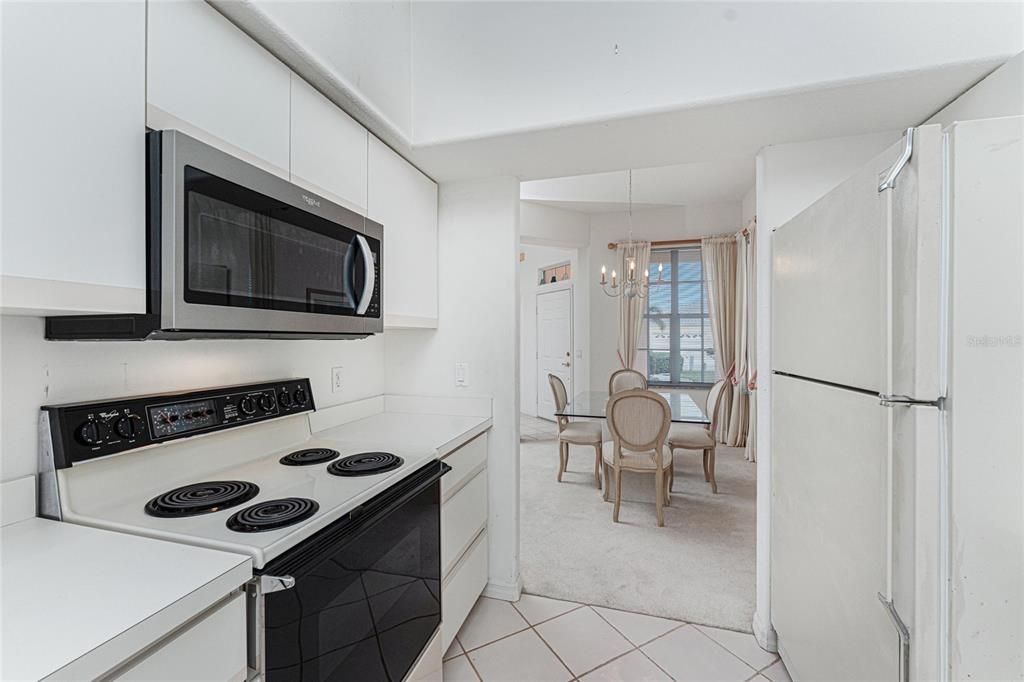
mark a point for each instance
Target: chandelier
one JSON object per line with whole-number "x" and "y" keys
{"x": 632, "y": 286}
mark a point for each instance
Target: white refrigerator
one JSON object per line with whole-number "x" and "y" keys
{"x": 897, "y": 525}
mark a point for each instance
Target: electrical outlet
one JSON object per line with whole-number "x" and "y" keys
{"x": 335, "y": 379}
{"x": 461, "y": 374}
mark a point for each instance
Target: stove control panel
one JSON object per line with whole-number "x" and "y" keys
{"x": 83, "y": 431}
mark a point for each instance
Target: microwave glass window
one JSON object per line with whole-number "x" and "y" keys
{"x": 244, "y": 249}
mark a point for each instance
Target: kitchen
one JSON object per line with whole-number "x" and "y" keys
{"x": 113, "y": 114}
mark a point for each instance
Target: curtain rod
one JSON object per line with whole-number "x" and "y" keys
{"x": 685, "y": 242}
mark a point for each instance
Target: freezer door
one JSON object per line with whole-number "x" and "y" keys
{"x": 856, "y": 278}
{"x": 830, "y": 533}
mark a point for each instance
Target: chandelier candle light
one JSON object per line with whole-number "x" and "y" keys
{"x": 632, "y": 286}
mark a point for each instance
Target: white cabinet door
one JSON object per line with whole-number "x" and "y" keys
{"x": 212, "y": 648}
{"x": 404, "y": 201}
{"x": 74, "y": 159}
{"x": 328, "y": 148}
{"x": 211, "y": 81}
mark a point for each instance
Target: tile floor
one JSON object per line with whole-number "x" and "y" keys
{"x": 538, "y": 639}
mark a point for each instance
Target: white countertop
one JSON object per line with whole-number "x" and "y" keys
{"x": 78, "y": 600}
{"x": 400, "y": 432}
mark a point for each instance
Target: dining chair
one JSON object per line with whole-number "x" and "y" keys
{"x": 574, "y": 433}
{"x": 626, "y": 379}
{"x": 639, "y": 421}
{"x": 699, "y": 437}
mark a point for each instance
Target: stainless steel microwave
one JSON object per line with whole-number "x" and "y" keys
{"x": 235, "y": 251}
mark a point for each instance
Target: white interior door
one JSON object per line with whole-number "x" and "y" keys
{"x": 554, "y": 346}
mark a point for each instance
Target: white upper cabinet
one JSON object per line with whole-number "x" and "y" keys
{"x": 210, "y": 80}
{"x": 74, "y": 158}
{"x": 328, "y": 148}
{"x": 404, "y": 201}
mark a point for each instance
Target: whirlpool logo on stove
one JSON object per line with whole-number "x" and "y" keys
{"x": 311, "y": 201}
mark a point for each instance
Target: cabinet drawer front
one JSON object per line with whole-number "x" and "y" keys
{"x": 462, "y": 517}
{"x": 462, "y": 589}
{"x": 465, "y": 462}
{"x": 212, "y": 648}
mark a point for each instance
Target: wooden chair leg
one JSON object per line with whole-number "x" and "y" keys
{"x": 618, "y": 494}
{"x": 706, "y": 475}
{"x": 672, "y": 471}
{"x": 598, "y": 459}
{"x": 607, "y": 481}
{"x": 711, "y": 470}
{"x": 562, "y": 448}
{"x": 668, "y": 490}
{"x": 659, "y": 494}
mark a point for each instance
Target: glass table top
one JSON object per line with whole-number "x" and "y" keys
{"x": 592, "y": 404}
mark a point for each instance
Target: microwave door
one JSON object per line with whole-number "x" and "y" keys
{"x": 369, "y": 274}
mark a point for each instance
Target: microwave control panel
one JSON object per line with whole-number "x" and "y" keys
{"x": 84, "y": 431}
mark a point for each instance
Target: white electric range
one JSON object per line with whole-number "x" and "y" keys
{"x": 345, "y": 540}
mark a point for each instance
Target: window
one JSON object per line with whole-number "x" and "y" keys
{"x": 677, "y": 326}
{"x": 555, "y": 273}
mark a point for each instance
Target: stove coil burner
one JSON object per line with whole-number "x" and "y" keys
{"x": 272, "y": 514}
{"x": 365, "y": 464}
{"x": 201, "y": 498}
{"x": 310, "y": 456}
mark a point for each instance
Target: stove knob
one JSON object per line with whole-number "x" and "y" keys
{"x": 301, "y": 397}
{"x": 266, "y": 402}
{"x": 128, "y": 427}
{"x": 248, "y": 405}
{"x": 285, "y": 398}
{"x": 92, "y": 432}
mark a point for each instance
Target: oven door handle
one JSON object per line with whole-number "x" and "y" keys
{"x": 275, "y": 583}
{"x": 371, "y": 275}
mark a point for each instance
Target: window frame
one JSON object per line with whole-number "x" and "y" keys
{"x": 675, "y": 317}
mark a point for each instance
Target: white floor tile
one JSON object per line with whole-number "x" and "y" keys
{"x": 583, "y": 640}
{"x": 489, "y": 620}
{"x": 454, "y": 650}
{"x": 638, "y": 628}
{"x": 518, "y": 658}
{"x": 458, "y": 669}
{"x": 687, "y": 655}
{"x": 634, "y": 667}
{"x": 742, "y": 644}
{"x": 536, "y": 609}
{"x": 777, "y": 672}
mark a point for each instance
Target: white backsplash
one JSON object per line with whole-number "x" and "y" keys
{"x": 35, "y": 372}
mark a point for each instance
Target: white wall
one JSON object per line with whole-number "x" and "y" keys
{"x": 478, "y": 323}
{"x": 682, "y": 222}
{"x": 539, "y": 257}
{"x": 542, "y": 224}
{"x": 38, "y": 372}
{"x": 748, "y": 205}
{"x": 789, "y": 179}
{"x": 1000, "y": 94}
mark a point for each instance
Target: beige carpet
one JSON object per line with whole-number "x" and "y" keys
{"x": 698, "y": 568}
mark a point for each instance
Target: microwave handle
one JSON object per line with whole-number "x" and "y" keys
{"x": 371, "y": 275}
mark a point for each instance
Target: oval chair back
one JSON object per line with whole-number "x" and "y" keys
{"x": 561, "y": 399}
{"x": 713, "y": 403}
{"x": 639, "y": 421}
{"x": 625, "y": 380}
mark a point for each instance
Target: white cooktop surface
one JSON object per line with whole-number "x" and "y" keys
{"x": 336, "y": 495}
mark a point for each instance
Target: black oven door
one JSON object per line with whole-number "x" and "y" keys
{"x": 367, "y": 592}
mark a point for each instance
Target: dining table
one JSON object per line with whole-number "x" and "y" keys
{"x": 592, "y": 405}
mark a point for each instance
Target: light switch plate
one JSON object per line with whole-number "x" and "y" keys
{"x": 461, "y": 374}
{"x": 335, "y": 379}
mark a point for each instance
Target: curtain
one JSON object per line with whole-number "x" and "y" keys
{"x": 718, "y": 258}
{"x": 631, "y": 310}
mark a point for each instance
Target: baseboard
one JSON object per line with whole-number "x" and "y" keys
{"x": 765, "y": 634}
{"x": 504, "y": 591}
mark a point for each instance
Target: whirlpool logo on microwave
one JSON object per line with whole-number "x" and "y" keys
{"x": 311, "y": 201}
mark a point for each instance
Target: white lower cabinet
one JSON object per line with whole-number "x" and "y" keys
{"x": 464, "y": 553}
{"x": 211, "y": 648}
{"x": 404, "y": 201}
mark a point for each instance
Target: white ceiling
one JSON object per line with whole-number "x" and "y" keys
{"x": 679, "y": 185}
{"x": 536, "y": 89}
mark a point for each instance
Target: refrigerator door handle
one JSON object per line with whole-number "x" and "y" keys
{"x": 890, "y": 400}
{"x": 908, "y": 149}
{"x": 904, "y": 634}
